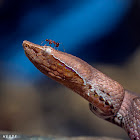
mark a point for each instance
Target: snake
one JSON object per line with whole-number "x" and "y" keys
{"x": 107, "y": 98}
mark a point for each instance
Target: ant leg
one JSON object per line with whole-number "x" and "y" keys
{"x": 50, "y": 43}
{"x": 42, "y": 42}
{"x": 63, "y": 48}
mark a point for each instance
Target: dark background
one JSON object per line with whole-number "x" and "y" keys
{"x": 106, "y": 34}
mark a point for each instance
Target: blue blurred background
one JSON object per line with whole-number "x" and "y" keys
{"x": 98, "y": 31}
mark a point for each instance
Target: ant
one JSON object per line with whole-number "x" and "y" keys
{"x": 51, "y": 41}
{"x": 56, "y": 44}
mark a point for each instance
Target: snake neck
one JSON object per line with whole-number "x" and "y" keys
{"x": 120, "y": 117}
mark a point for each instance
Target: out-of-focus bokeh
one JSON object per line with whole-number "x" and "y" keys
{"x": 106, "y": 34}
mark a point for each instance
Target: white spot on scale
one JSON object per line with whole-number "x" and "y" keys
{"x": 48, "y": 50}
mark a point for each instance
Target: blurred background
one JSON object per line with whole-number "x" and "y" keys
{"x": 106, "y": 34}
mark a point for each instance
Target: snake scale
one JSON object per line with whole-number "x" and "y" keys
{"x": 107, "y": 98}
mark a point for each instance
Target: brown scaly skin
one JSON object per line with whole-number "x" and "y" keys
{"x": 107, "y": 98}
